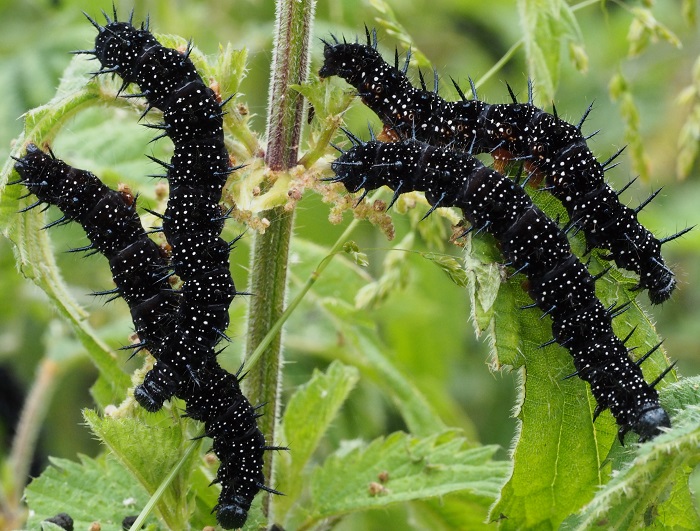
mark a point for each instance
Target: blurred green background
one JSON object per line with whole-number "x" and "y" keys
{"x": 427, "y": 323}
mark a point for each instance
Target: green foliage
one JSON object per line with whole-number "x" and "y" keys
{"x": 354, "y": 478}
{"x": 546, "y": 23}
{"x": 620, "y": 90}
{"x": 690, "y": 132}
{"x": 94, "y": 490}
{"x": 376, "y": 338}
{"x": 151, "y": 463}
{"x": 651, "y": 488}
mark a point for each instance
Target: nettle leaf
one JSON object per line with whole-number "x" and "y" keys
{"x": 327, "y": 102}
{"x": 93, "y": 490}
{"x": 390, "y": 22}
{"x": 36, "y": 260}
{"x": 150, "y": 451}
{"x": 546, "y": 24}
{"x": 558, "y": 439}
{"x": 653, "y": 487}
{"x": 362, "y": 347}
{"x": 307, "y": 417}
{"x": 401, "y": 468}
{"x": 542, "y": 29}
{"x": 32, "y": 246}
{"x": 484, "y": 280}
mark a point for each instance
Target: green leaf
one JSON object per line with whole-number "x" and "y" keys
{"x": 555, "y": 442}
{"x": 652, "y": 490}
{"x": 35, "y": 258}
{"x": 450, "y": 512}
{"x": 150, "y": 451}
{"x": 94, "y": 490}
{"x": 484, "y": 281}
{"x": 33, "y": 251}
{"x": 449, "y": 264}
{"x": 400, "y": 468}
{"x": 546, "y": 25}
{"x": 558, "y": 439}
{"x": 327, "y": 102}
{"x": 307, "y": 417}
{"x": 225, "y": 76}
{"x": 682, "y": 393}
{"x": 390, "y": 22}
{"x": 542, "y": 33}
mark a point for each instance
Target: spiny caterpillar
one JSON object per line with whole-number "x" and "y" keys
{"x": 533, "y": 244}
{"x": 196, "y": 320}
{"x": 139, "y": 267}
{"x": 548, "y": 145}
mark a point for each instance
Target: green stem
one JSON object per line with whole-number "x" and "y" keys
{"x": 268, "y": 282}
{"x": 501, "y": 62}
{"x": 158, "y": 494}
{"x": 30, "y": 423}
{"x": 252, "y": 360}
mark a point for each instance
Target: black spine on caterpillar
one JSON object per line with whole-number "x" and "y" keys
{"x": 110, "y": 220}
{"x": 532, "y": 243}
{"x": 192, "y": 224}
{"x": 549, "y": 146}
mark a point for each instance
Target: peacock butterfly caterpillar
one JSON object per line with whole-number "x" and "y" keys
{"x": 532, "y": 244}
{"x": 193, "y": 220}
{"x": 139, "y": 267}
{"x": 548, "y": 145}
{"x": 192, "y": 223}
{"x": 189, "y": 331}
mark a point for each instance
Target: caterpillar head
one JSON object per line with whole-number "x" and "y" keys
{"x": 649, "y": 423}
{"x": 350, "y": 61}
{"x": 353, "y": 167}
{"x": 231, "y": 514}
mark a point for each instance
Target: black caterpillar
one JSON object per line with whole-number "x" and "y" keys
{"x": 186, "y": 364}
{"x": 533, "y": 244}
{"x": 139, "y": 267}
{"x": 547, "y": 144}
{"x": 141, "y": 273}
{"x": 192, "y": 224}
{"x": 193, "y": 220}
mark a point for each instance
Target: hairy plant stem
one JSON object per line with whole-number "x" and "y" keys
{"x": 268, "y": 282}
